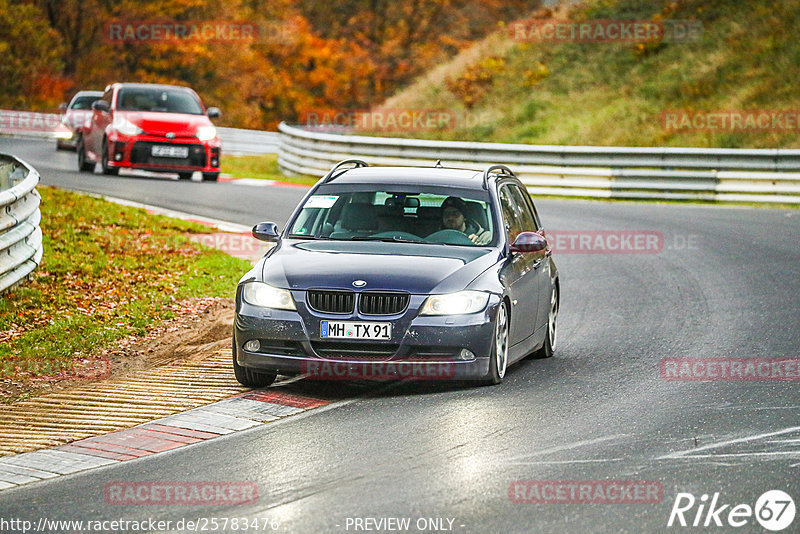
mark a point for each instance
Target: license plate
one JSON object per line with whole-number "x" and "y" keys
{"x": 349, "y": 330}
{"x": 166, "y": 151}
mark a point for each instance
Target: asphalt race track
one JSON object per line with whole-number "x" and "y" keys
{"x": 725, "y": 283}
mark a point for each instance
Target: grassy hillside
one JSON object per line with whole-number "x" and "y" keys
{"x": 747, "y": 58}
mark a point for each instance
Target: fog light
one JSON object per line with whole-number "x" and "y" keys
{"x": 215, "y": 161}
{"x": 465, "y": 354}
{"x": 118, "y": 157}
{"x": 252, "y": 346}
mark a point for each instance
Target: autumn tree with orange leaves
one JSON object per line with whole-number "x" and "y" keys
{"x": 307, "y": 55}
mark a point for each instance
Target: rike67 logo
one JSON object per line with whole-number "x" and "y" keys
{"x": 774, "y": 511}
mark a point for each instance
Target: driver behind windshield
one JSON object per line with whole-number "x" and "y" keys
{"x": 454, "y": 217}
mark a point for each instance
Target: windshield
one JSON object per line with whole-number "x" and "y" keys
{"x": 84, "y": 102}
{"x": 407, "y": 216}
{"x": 158, "y": 100}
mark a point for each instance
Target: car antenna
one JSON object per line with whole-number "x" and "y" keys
{"x": 438, "y": 163}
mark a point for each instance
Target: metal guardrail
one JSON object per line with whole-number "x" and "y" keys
{"x": 235, "y": 141}
{"x": 20, "y": 235}
{"x": 747, "y": 175}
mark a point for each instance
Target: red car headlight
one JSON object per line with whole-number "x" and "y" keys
{"x": 125, "y": 127}
{"x": 206, "y": 133}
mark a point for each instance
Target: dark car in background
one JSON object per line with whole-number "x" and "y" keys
{"x": 152, "y": 127}
{"x": 392, "y": 272}
{"x": 75, "y": 115}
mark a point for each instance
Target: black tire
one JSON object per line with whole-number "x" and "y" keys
{"x": 112, "y": 171}
{"x": 185, "y": 175}
{"x": 550, "y": 338}
{"x": 250, "y": 377}
{"x": 84, "y": 165}
{"x": 210, "y": 176}
{"x": 498, "y": 365}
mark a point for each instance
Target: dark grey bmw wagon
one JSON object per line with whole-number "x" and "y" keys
{"x": 400, "y": 272}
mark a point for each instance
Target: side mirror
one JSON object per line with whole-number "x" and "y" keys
{"x": 527, "y": 242}
{"x": 62, "y": 106}
{"x": 213, "y": 113}
{"x": 266, "y": 231}
{"x": 101, "y": 105}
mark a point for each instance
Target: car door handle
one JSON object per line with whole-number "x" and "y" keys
{"x": 537, "y": 263}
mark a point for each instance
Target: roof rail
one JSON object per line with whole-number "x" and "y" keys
{"x": 499, "y": 169}
{"x": 330, "y": 176}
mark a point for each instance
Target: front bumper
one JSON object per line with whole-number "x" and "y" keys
{"x": 135, "y": 152}
{"x": 421, "y": 347}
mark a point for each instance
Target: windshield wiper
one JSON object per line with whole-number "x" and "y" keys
{"x": 393, "y": 239}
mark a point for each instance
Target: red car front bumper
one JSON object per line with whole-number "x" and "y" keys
{"x": 137, "y": 152}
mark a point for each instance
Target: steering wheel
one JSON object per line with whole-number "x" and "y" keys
{"x": 449, "y": 237}
{"x": 398, "y": 234}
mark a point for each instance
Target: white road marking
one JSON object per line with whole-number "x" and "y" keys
{"x": 559, "y": 462}
{"x": 251, "y": 182}
{"x": 734, "y": 455}
{"x": 566, "y": 447}
{"x": 691, "y": 452}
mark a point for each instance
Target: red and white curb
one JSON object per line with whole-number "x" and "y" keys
{"x": 258, "y": 182}
{"x": 225, "y": 226}
{"x": 200, "y": 424}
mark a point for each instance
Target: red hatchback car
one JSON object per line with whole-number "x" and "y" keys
{"x": 160, "y": 128}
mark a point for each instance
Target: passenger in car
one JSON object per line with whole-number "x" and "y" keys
{"x": 454, "y": 217}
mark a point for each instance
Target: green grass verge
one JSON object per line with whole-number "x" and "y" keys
{"x": 613, "y": 94}
{"x": 108, "y": 271}
{"x": 264, "y": 167}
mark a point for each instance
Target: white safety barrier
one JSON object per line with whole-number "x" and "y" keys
{"x": 236, "y": 141}
{"x": 20, "y": 234}
{"x": 745, "y": 175}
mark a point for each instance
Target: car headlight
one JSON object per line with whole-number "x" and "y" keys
{"x": 266, "y": 296}
{"x": 126, "y": 127}
{"x": 455, "y": 303}
{"x": 206, "y": 133}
